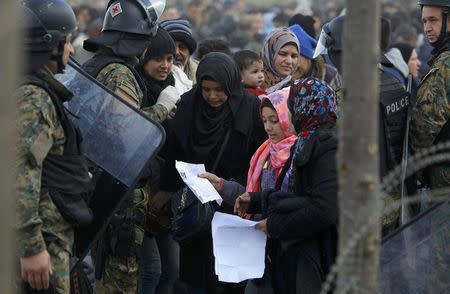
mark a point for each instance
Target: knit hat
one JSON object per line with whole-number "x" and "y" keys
{"x": 307, "y": 44}
{"x": 180, "y": 30}
{"x": 160, "y": 45}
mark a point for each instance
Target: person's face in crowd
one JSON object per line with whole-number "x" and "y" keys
{"x": 253, "y": 75}
{"x": 303, "y": 66}
{"x": 257, "y": 23}
{"x": 286, "y": 60}
{"x": 432, "y": 22}
{"x": 193, "y": 12}
{"x": 213, "y": 93}
{"x": 170, "y": 13}
{"x": 182, "y": 54}
{"x": 272, "y": 124}
{"x": 83, "y": 18}
{"x": 67, "y": 51}
{"x": 414, "y": 64}
{"x": 159, "y": 68}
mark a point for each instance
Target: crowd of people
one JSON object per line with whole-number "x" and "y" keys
{"x": 254, "y": 95}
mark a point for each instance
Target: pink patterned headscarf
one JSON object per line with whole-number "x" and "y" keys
{"x": 279, "y": 153}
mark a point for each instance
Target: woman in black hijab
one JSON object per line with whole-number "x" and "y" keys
{"x": 216, "y": 104}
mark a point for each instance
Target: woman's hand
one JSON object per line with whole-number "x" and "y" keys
{"x": 262, "y": 226}
{"x": 213, "y": 179}
{"x": 242, "y": 203}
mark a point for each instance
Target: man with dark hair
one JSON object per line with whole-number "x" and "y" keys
{"x": 212, "y": 45}
{"x": 306, "y": 22}
{"x": 185, "y": 44}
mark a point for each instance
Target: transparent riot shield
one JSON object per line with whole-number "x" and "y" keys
{"x": 118, "y": 139}
{"x": 416, "y": 258}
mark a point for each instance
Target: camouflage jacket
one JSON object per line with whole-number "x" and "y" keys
{"x": 39, "y": 133}
{"x": 119, "y": 79}
{"x": 431, "y": 112}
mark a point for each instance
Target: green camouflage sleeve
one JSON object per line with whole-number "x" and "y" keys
{"x": 432, "y": 109}
{"x": 156, "y": 112}
{"x": 35, "y": 122}
{"x": 119, "y": 79}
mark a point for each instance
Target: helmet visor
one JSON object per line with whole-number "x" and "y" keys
{"x": 153, "y": 8}
{"x": 322, "y": 44}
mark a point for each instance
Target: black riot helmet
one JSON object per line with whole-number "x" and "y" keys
{"x": 445, "y": 4}
{"x": 128, "y": 26}
{"x": 133, "y": 16}
{"x": 47, "y": 23}
{"x": 330, "y": 41}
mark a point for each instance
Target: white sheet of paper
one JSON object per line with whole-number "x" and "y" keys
{"x": 239, "y": 249}
{"x": 201, "y": 188}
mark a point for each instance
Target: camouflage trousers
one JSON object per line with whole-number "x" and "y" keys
{"x": 119, "y": 276}
{"x": 60, "y": 259}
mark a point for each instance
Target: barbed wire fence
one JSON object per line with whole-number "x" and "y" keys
{"x": 437, "y": 154}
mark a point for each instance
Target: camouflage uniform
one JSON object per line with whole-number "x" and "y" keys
{"x": 431, "y": 112}
{"x": 40, "y": 225}
{"x": 120, "y": 274}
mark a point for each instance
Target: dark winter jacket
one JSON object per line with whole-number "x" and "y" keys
{"x": 247, "y": 134}
{"x": 302, "y": 224}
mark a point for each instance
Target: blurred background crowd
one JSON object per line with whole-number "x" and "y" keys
{"x": 243, "y": 24}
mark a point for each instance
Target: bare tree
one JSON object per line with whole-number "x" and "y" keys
{"x": 358, "y": 151}
{"x": 9, "y": 65}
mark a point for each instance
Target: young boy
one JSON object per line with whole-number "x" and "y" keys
{"x": 251, "y": 67}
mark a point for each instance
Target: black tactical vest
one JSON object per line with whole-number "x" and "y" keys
{"x": 65, "y": 177}
{"x": 394, "y": 103}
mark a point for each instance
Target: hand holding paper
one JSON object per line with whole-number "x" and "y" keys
{"x": 201, "y": 188}
{"x": 239, "y": 248}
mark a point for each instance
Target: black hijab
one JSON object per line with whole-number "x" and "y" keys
{"x": 208, "y": 124}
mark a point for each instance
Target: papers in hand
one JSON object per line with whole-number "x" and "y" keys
{"x": 201, "y": 188}
{"x": 239, "y": 249}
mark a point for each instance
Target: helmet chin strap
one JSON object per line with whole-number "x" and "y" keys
{"x": 59, "y": 58}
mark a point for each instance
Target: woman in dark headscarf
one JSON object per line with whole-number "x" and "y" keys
{"x": 216, "y": 104}
{"x": 280, "y": 55}
{"x": 301, "y": 215}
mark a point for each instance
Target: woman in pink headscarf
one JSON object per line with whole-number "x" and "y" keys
{"x": 270, "y": 158}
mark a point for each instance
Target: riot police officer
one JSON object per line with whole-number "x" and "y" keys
{"x": 430, "y": 116}
{"x": 52, "y": 177}
{"x": 128, "y": 28}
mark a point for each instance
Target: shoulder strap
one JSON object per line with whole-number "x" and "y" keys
{"x": 222, "y": 150}
{"x": 33, "y": 80}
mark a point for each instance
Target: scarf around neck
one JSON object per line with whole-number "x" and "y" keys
{"x": 277, "y": 153}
